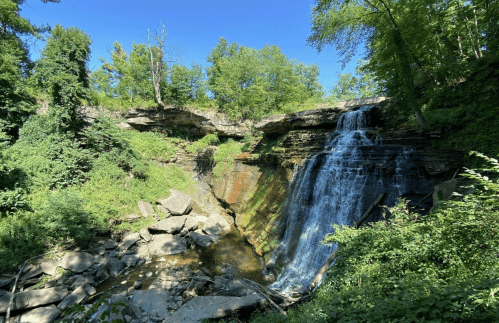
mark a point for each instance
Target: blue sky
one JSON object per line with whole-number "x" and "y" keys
{"x": 195, "y": 25}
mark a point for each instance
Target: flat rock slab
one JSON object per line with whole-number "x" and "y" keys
{"x": 75, "y": 297}
{"x": 178, "y": 203}
{"x": 211, "y": 307}
{"x": 166, "y": 244}
{"x": 129, "y": 240}
{"x": 145, "y": 208}
{"x": 216, "y": 225}
{"x": 191, "y": 223}
{"x": 77, "y": 262}
{"x": 40, "y": 315}
{"x": 130, "y": 260}
{"x": 144, "y": 234}
{"x": 202, "y": 239}
{"x": 33, "y": 298}
{"x": 48, "y": 267}
{"x": 152, "y": 301}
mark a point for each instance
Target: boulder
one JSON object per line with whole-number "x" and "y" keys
{"x": 212, "y": 307}
{"x": 191, "y": 223}
{"x": 129, "y": 240}
{"x": 178, "y": 203}
{"x": 145, "y": 208}
{"x": 202, "y": 239}
{"x": 130, "y": 260}
{"x": 33, "y": 298}
{"x": 115, "y": 266}
{"x": 77, "y": 262}
{"x": 166, "y": 244}
{"x": 144, "y": 234}
{"x": 110, "y": 244}
{"x": 152, "y": 301}
{"x": 216, "y": 225}
{"x": 75, "y": 297}
{"x": 171, "y": 225}
{"x": 40, "y": 315}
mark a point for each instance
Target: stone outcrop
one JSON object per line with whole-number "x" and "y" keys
{"x": 34, "y": 298}
{"x": 197, "y": 122}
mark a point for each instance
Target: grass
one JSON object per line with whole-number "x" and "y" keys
{"x": 224, "y": 156}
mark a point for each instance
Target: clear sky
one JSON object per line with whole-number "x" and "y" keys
{"x": 195, "y": 25}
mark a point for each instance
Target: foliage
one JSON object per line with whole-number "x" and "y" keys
{"x": 414, "y": 268}
{"x": 251, "y": 83}
{"x": 359, "y": 85}
{"x": 413, "y": 47}
{"x": 62, "y": 72}
{"x": 185, "y": 86}
{"x": 202, "y": 143}
{"x": 224, "y": 156}
{"x": 152, "y": 145}
{"x": 127, "y": 78}
{"x": 77, "y": 313}
{"x": 63, "y": 217}
{"x": 16, "y": 104}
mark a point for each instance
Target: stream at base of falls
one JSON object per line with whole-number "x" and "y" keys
{"x": 231, "y": 249}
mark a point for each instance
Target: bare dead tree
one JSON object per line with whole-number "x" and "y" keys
{"x": 161, "y": 59}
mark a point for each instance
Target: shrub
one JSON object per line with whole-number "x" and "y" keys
{"x": 202, "y": 143}
{"x": 152, "y": 145}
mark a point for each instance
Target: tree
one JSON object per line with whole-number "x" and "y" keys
{"x": 160, "y": 59}
{"x": 15, "y": 102}
{"x": 127, "y": 78}
{"x": 251, "y": 83}
{"x": 185, "y": 85}
{"x": 411, "y": 45}
{"x": 62, "y": 71}
{"x": 359, "y": 85}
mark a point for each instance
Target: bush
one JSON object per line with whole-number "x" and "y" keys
{"x": 202, "y": 143}
{"x": 63, "y": 217}
{"x": 152, "y": 145}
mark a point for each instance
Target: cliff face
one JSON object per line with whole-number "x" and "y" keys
{"x": 255, "y": 188}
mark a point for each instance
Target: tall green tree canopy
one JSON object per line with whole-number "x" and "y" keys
{"x": 250, "y": 83}
{"x": 62, "y": 71}
{"x": 15, "y": 102}
{"x": 409, "y": 43}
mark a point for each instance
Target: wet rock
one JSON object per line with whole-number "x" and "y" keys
{"x": 137, "y": 284}
{"x": 115, "y": 266}
{"x": 202, "y": 239}
{"x": 152, "y": 301}
{"x": 171, "y": 225}
{"x": 81, "y": 281}
{"x": 216, "y": 225}
{"x": 34, "y": 298}
{"x": 166, "y": 244}
{"x": 75, "y": 297}
{"x": 90, "y": 289}
{"x": 77, "y": 262}
{"x": 130, "y": 260}
{"x": 178, "y": 203}
{"x": 129, "y": 240}
{"x": 145, "y": 208}
{"x": 144, "y": 234}
{"x": 212, "y": 307}
{"x": 40, "y": 315}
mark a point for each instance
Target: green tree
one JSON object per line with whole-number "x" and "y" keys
{"x": 185, "y": 85}
{"x": 62, "y": 71}
{"x": 409, "y": 43}
{"x": 127, "y": 78}
{"x": 252, "y": 83}
{"x": 359, "y": 85}
{"x": 15, "y": 102}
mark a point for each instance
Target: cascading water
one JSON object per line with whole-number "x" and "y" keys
{"x": 332, "y": 188}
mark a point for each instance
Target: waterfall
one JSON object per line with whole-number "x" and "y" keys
{"x": 332, "y": 188}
